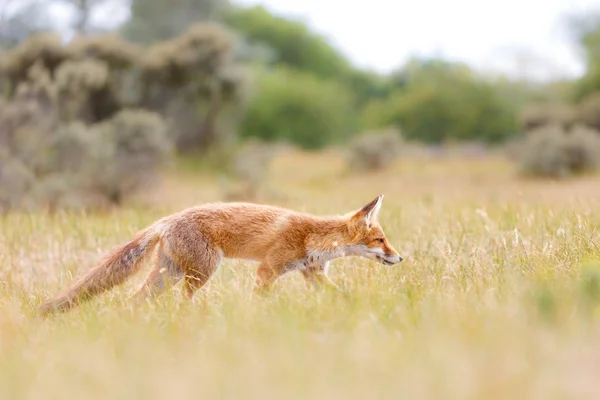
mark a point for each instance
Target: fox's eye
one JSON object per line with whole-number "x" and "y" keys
{"x": 379, "y": 240}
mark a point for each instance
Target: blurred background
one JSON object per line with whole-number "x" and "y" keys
{"x": 104, "y": 100}
{"x": 478, "y": 120}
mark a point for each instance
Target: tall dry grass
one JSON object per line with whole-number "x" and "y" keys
{"x": 498, "y": 297}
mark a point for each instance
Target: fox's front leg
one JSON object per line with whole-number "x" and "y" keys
{"x": 277, "y": 263}
{"x": 316, "y": 275}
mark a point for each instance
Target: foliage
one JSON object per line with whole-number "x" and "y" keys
{"x": 189, "y": 79}
{"x": 292, "y": 43}
{"x": 53, "y": 161}
{"x": 94, "y": 119}
{"x": 555, "y": 152}
{"x": 298, "y": 108}
{"x": 132, "y": 146}
{"x": 367, "y": 86}
{"x": 374, "y": 150}
{"x": 436, "y": 101}
{"x": 193, "y": 78}
{"x": 279, "y": 41}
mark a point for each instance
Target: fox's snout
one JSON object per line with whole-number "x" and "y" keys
{"x": 399, "y": 258}
{"x": 390, "y": 256}
{"x": 390, "y": 259}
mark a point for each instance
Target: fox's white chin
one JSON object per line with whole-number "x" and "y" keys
{"x": 389, "y": 260}
{"x": 383, "y": 258}
{"x": 372, "y": 254}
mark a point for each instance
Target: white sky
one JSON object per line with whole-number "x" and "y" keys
{"x": 524, "y": 37}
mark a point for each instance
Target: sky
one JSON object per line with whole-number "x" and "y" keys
{"x": 523, "y": 38}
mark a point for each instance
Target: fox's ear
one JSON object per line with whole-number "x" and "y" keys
{"x": 369, "y": 213}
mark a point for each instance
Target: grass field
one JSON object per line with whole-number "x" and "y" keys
{"x": 498, "y": 297}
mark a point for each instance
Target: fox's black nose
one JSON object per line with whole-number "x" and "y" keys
{"x": 400, "y": 258}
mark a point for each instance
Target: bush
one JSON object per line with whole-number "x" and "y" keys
{"x": 54, "y": 162}
{"x": 96, "y": 77}
{"x": 375, "y": 150}
{"x": 192, "y": 79}
{"x": 130, "y": 148}
{"x": 555, "y": 152}
{"x": 91, "y": 121}
{"x": 298, "y": 108}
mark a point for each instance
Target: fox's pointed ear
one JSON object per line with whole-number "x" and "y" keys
{"x": 369, "y": 213}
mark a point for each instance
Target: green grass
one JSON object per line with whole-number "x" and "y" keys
{"x": 498, "y": 297}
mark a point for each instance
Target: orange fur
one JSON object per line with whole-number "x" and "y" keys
{"x": 192, "y": 243}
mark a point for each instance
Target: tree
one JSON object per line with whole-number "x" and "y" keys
{"x": 299, "y": 108}
{"x": 291, "y": 41}
{"x": 436, "y": 100}
{"x": 274, "y": 40}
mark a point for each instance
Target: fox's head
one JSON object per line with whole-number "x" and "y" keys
{"x": 368, "y": 237}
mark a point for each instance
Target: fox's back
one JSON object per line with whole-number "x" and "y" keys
{"x": 245, "y": 230}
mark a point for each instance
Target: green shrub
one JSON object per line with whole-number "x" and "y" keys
{"x": 555, "y": 152}
{"x": 437, "y": 101}
{"x": 374, "y": 150}
{"x": 290, "y": 41}
{"x": 298, "y": 108}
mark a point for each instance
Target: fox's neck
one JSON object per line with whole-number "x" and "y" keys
{"x": 328, "y": 239}
{"x": 330, "y": 229}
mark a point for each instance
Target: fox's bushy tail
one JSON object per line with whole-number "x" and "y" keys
{"x": 112, "y": 271}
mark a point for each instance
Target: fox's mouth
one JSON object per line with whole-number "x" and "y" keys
{"x": 385, "y": 261}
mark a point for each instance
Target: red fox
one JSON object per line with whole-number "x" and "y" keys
{"x": 192, "y": 243}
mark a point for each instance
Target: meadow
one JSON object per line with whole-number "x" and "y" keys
{"x": 498, "y": 296}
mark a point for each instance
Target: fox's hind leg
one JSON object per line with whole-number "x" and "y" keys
{"x": 200, "y": 272}
{"x": 165, "y": 274}
{"x": 197, "y": 257}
